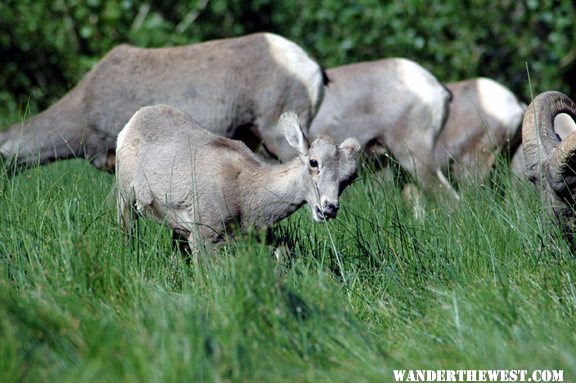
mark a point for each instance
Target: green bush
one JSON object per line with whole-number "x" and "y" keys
{"x": 48, "y": 45}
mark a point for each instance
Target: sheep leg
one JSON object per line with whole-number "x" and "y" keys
{"x": 125, "y": 210}
{"x": 475, "y": 167}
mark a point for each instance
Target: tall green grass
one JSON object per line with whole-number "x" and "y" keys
{"x": 483, "y": 283}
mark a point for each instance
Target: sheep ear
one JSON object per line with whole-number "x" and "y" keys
{"x": 290, "y": 127}
{"x": 351, "y": 145}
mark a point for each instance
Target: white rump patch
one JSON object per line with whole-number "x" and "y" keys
{"x": 295, "y": 61}
{"x": 499, "y": 102}
{"x": 564, "y": 125}
{"x": 427, "y": 88}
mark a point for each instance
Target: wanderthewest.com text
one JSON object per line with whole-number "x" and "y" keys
{"x": 478, "y": 375}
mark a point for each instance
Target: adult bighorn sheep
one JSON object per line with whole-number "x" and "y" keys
{"x": 549, "y": 145}
{"x": 235, "y": 87}
{"x": 484, "y": 120}
{"x": 393, "y": 104}
{"x": 201, "y": 185}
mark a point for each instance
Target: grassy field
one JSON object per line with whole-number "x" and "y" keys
{"x": 477, "y": 285}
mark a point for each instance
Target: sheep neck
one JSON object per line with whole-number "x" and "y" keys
{"x": 273, "y": 192}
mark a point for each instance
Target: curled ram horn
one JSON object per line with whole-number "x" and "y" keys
{"x": 549, "y": 146}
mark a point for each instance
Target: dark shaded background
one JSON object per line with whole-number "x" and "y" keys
{"x": 47, "y": 45}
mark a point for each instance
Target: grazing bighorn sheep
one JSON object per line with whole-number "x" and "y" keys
{"x": 393, "y": 104}
{"x": 201, "y": 185}
{"x": 549, "y": 145}
{"x": 484, "y": 120}
{"x": 235, "y": 87}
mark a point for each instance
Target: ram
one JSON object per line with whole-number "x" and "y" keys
{"x": 202, "y": 185}
{"x": 235, "y": 87}
{"x": 549, "y": 146}
{"x": 392, "y": 105}
{"x": 485, "y": 119}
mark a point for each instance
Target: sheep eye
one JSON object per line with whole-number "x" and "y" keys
{"x": 313, "y": 163}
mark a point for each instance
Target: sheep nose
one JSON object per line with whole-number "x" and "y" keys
{"x": 330, "y": 210}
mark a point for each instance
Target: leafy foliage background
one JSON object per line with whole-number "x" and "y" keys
{"x": 47, "y": 45}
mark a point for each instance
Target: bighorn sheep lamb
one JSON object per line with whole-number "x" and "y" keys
{"x": 201, "y": 185}
{"x": 393, "y": 104}
{"x": 234, "y": 87}
{"x": 484, "y": 119}
{"x": 549, "y": 145}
